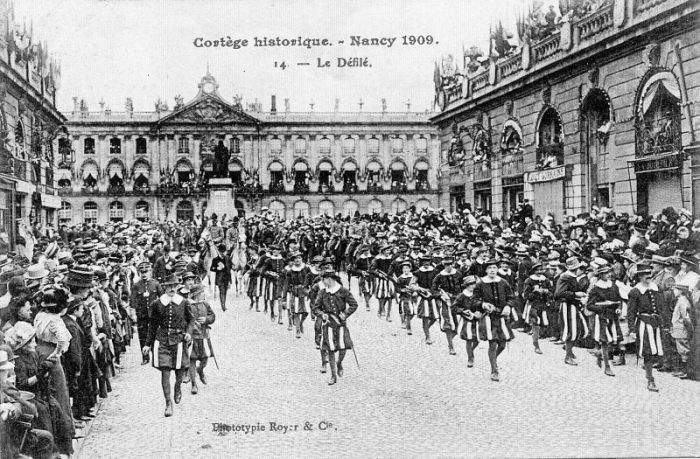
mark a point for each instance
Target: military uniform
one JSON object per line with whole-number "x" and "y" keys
{"x": 143, "y": 293}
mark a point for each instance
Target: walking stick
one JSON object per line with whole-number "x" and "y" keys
{"x": 211, "y": 349}
{"x": 355, "y": 354}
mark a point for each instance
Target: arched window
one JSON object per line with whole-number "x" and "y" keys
{"x": 326, "y": 208}
{"x": 374, "y": 207}
{"x": 141, "y": 148}
{"x": 90, "y": 213}
{"x": 398, "y": 176}
{"x": 116, "y": 212}
{"x": 90, "y": 174}
{"x": 115, "y": 146}
{"x": 276, "y": 177}
{"x": 64, "y": 179}
{"x": 350, "y": 207}
{"x": 301, "y": 208}
{"x": 115, "y": 174}
{"x": 240, "y": 208}
{"x": 374, "y": 173}
{"x": 141, "y": 211}
{"x": 277, "y": 208}
{"x": 184, "y": 172}
{"x": 398, "y": 206}
{"x": 421, "y": 169}
{"x": 142, "y": 170}
{"x": 301, "y": 175}
{"x": 184, "y": 211}
{"x": 658, "y": 116}
{"x": 20, "y": 144}
{"x": 65, "y": 213}
{"x": 550, "y": 145}
{"x": 595, "y": 120}
{"x": 349, "y": 173}
{"x": 325, "y": 169}
{"x": 422, "y": 204}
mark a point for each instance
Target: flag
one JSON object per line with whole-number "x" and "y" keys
{"x": 437, "y": 79}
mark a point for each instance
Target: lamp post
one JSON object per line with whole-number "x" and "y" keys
{"x": 167, "y": 200}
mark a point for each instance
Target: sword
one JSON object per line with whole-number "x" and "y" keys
{"x": 211, "y": 349}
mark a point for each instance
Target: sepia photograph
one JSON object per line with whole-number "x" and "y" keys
{"x": 362, "y": 229}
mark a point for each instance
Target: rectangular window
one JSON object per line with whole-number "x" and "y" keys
{"x": 90, "y": 216}
{"x": 349, "y": 146}
{"x": 324, "y": 146}
{"x": 89, "y": 146}
{"x": 373, "y": 146}
{"x": 235, "y": 146}
{"x": 141, "y": 148}
{"x": 397, "y": 145}
{"x": 65, "y": 215}
{"x": 115, "y": 147}
{"x": 421, "y": 145}
{"x": 183, "y": 146}
{"x": 275, "y": 146}
{"x": 116, "y": 213}
{"x": 300, "y": 146}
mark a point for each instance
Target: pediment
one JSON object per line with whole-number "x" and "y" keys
{"x": 209, "y": 110}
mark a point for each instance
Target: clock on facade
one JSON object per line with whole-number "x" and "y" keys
{"x": 208, "y": 87}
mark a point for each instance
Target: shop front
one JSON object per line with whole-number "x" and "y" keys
{"x": 548, "y": 189}
{"x": 513, "y": 194}
{"x": 482, "y": 195}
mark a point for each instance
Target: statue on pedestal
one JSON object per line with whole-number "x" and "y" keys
{"x": 221, "y": 157}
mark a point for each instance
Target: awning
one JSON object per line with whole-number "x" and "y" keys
{"x": 208, "y": 166}
{"x": 276, "y": 166}
{"x": 374, "y": 166}
{"x": 349, "y": 166}
{"x": 141, "y": 170}
{"x": 235, "y": 167}
{"x": 325, "y": 166}
{"x": 300, "y": 166}
{"x": 422, "y": 166}
{"x": 183, "y": 167}
{"x": 63, "y": 174}
{"x": 656, "y": 83}
{"x": 398, "y": 166}
{"x": 115, "y": 170}
{"x": 90, "y": 169}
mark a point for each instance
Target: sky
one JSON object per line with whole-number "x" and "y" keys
{"x": 144, "y": 49}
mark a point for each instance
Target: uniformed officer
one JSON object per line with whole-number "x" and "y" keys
{"x": 143, "y": 293}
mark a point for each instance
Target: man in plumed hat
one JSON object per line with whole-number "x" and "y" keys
{"x": 170, "y": 326}
{"x": 143, "y": 293}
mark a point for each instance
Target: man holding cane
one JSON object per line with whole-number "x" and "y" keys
{"x": 170, "y": 326}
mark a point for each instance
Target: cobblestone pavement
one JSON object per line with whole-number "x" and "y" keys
{"x": 407, "y": 400}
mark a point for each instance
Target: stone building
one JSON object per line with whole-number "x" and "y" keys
{"x": 156, "y": 165}
{"x": 30, "y": 127}
{"x": 599, "y": 109}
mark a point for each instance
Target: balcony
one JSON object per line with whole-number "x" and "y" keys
{"x": 509, "y": 66}
{"x": 546, "y": 48}
{"x": 480, "y": 81}
{"x": 549, "y": 156}
{"x": 596, "y": 22}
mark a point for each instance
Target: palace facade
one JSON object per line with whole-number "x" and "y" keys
{"x": 156, "y": 165}
{"x": 598, "y": 109}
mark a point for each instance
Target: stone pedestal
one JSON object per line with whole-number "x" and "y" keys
{"x": 221, "y": 200}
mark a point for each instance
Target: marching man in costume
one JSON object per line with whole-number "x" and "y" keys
{"x": 273, "y": 273}
{"x": 334, "y": 305}
{"x": 362, "y": 267}
{"x": 644, "y": 318}
{"x": 570, "y": 292}
{"x": 495, "y": 297}
{"x": 537, "y": 294}
{"x": 446, "y": 286}
{"x": 297, "y": 293}
{"x": 169, "y": 337}
{"x": 604, "y": 301}
{"x": 427, "y": 306}
{"x": 465, "y": 307}
{"x": 405, "y": 286}
{"x": 384, "y": 288}
{"x": 201, "y": 345}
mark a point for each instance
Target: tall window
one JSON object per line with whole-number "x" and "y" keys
{"x": 324, "y": 146}
{"x": 65, "y": 214}
{"x": 90, "y": 212}
{"x": 141, "y": 148}
{"x": 116, "y": 212}
{"x": 277, "y": 208}
{"x": 550, "y": 148}
{"x": 300, "y": 146}
{"x": 115, "y": 146}
{"x": 183, "y": 145}
{"x": 349, "y": 146}
{"x": 275, "y": 146}
{"x": 184, "y": 211}
{"x": 235, "y": 146}
{"x": 421, "y": 145}
{"x": 373, "y": 146}
{"x": 141, "y": 211}
{"x": 397, "y": 145}
{"x": 89, "y": 146}
{"x": 19, "y": 141}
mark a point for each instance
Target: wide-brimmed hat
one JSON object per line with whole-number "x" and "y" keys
{"x": 19, "y": 335}
{"x": 51, "y": 250}
{"x": 573, "y": 263}
{"x": 170, "y": 280}
{"x": 643, "y": 269}
{"x": 80, "y": 276}
{"x": 188, "y": 275}
{"x": 36, "y": 272}
{"x": 196, "y": 290}
{"x": 492, "y": 262}
{"x": 602, "y": 269}
{"x": 317, "y": 259}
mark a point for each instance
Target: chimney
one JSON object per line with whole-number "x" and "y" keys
{"x": 273, "y": 104}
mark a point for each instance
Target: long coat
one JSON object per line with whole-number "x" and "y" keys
{"x": 335, "y": 334}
